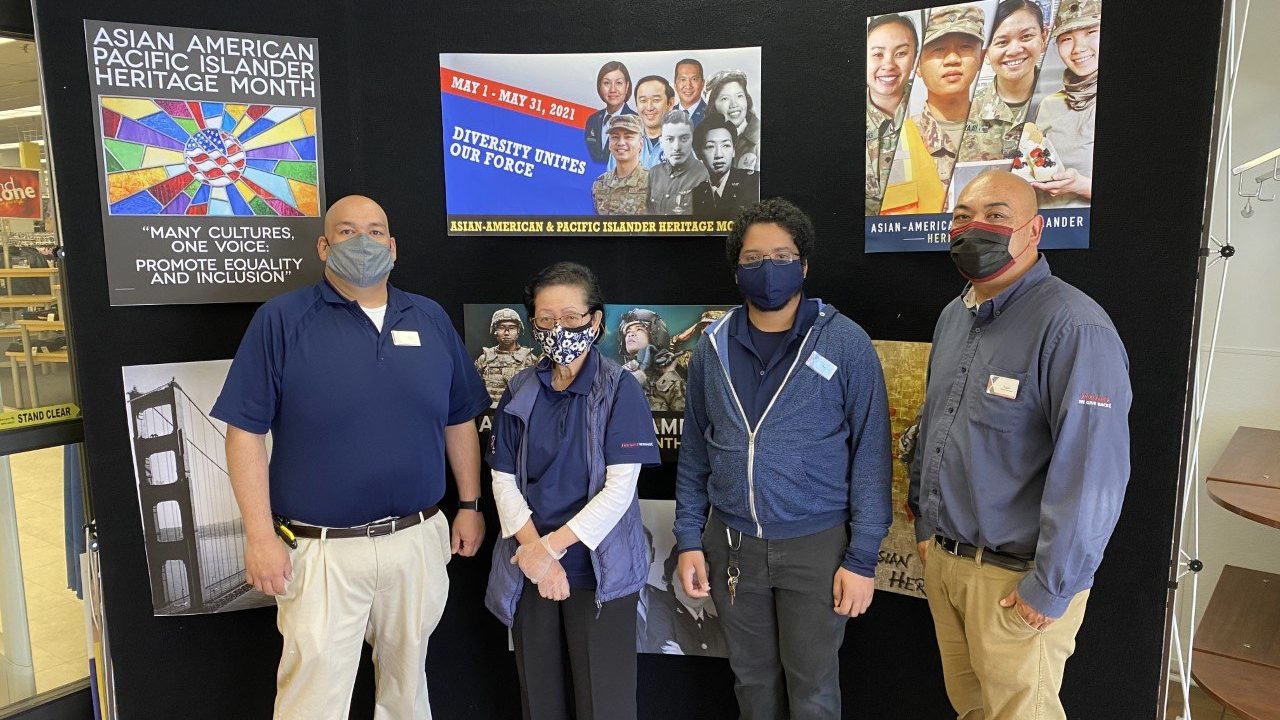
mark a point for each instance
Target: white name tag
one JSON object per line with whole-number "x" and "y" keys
{"x": 1002, "y": 387}
{"x": 821, "y": 365}
{"x": 406, "y": 337}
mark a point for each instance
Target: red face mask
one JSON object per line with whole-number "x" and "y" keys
{"x": 981, "y": 250}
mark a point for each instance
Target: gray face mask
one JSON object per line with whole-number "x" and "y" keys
{"x": 360, "y": 260}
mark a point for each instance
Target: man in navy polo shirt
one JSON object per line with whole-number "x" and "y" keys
{"x": 365, "y": 390}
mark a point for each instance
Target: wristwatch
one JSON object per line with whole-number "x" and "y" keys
{"x": 469, "y": 505}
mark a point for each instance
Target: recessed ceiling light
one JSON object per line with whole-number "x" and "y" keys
{"x": 14, "y": 145}
{"x": 22, "y": 112}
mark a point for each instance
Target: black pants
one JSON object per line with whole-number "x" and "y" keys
{"x": 783, "y": 636}
{"x": 573, "y": 664}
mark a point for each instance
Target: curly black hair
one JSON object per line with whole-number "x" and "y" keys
{"x": 778, "y": 211}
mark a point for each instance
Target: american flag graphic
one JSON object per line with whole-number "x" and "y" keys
{"x": 215, "y": 157}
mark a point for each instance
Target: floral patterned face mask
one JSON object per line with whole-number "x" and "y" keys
{"x": 564, "y": 345}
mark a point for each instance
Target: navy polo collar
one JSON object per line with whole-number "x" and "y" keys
{"x": 806, "y": 313}
{"x": 396, "y": 299}
{"x": 581, "y": 384}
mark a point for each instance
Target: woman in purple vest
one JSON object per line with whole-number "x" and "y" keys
{"x": 569, "y": 438}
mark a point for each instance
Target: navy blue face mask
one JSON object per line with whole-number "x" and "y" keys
{"x": 771, "y": 286}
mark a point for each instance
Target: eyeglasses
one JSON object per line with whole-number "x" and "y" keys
{"x": 569, "y": 320}
{"x": 753, "y": 260}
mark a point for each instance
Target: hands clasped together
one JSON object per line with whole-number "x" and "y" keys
{"x": 541, "y": 564}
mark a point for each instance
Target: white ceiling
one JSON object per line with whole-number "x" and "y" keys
{"x": 1257, "y": 102}
{"x": 19, "y": 88}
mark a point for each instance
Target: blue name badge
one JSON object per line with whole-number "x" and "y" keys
{"x": 821, "y": 365}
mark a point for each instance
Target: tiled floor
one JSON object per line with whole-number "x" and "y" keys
{"x": 54, "y": 615}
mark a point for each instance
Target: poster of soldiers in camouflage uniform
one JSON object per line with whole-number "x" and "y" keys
{"x": 652, "y": 342}
{"x": 957, "y": 90}
{"x": 655, "y": 342}
{"x": 500, "y": 362}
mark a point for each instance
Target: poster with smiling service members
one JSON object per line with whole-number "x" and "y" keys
{"x": 957, "y": 90}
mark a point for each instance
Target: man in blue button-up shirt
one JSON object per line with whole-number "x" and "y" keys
{"x": 1022, "y": 459}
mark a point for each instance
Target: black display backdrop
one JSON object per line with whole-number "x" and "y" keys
{"x": 379, "y": 78}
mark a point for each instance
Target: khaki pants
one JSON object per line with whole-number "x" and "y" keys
{"x": 996, "y": 666}
{"x": 389, "y": 591}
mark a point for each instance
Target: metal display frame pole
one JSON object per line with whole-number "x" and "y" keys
{"x": 1188, "y": 565}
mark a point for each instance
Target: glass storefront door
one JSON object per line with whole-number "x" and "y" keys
{"x": 42, "y": 615}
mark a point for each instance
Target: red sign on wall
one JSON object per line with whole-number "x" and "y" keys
{"x": 20, "y": 193}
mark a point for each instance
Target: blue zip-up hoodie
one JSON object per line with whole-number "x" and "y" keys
{"x": 621, "y": 560}
{"x": 819, "y": 456}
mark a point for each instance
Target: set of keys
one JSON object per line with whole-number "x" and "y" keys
{"x": 733, "y": 571}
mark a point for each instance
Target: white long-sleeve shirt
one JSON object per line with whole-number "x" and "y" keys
{"x": 591, "y": 524}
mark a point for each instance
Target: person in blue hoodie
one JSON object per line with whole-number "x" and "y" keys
{"x": 783, "y": 488}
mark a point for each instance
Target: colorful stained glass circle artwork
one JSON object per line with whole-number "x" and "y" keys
{"x": 189, "y": 157}
{"x": 214, "y": 157}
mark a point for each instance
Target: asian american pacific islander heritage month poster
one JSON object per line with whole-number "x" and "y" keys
{"x": 209, "y": 162}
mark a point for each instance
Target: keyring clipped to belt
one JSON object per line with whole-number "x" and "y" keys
{"x": 733, "y": 571}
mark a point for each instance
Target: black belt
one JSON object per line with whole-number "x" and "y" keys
{"x": 999, "y": 559}
{"x": 371, "y": 530}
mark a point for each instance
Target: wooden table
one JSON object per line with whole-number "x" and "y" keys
{"x": 1246, "y": 479}
{"x": 1236, "y": 657}
{"x": 19, "y": 301}
{"x": 13, "y": 332}
{"x": 27, "y": 327}
{"x": 1251, "y": 458}
{"x": 60, "y": 356}
{"x": 1239, "y": 686}
{"x": 1259, "y": 504}
{"x": 28, "y": 272}
{"x": 1237, "y": 650}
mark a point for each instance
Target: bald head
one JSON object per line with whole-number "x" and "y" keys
{"x": 355, "y": 212}
{"x": 349, "y": 217}
{"x": 991, "y": 264}
{"x": 996, "y": 197}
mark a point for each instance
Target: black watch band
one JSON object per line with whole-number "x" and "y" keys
{"x": 469, "y": 505}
